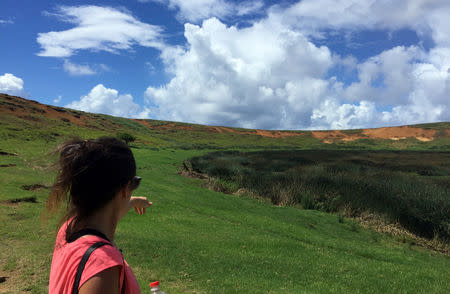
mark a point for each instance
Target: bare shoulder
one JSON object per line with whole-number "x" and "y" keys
{"x": 106, "y": 281}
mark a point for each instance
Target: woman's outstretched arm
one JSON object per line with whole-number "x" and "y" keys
{"x": 139, "y": 204}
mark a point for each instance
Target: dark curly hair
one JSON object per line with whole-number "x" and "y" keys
{"x": 89, "y": 175}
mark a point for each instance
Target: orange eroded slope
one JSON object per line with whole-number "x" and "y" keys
{"x": 392, "y": 133}
{"x": 397, "y": 133}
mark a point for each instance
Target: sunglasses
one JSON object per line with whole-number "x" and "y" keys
{"x": 134, "y": 183}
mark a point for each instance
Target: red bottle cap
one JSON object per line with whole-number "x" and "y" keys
{"x": 154, "y": 284}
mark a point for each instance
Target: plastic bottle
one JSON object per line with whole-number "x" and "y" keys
{"x": 154, "y": 288}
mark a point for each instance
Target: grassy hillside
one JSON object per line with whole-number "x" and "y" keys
{"x": 192, "y": 239}
{"x": 28, "y": 120}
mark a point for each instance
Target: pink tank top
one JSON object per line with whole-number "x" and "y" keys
{"x": 67, "y": 257}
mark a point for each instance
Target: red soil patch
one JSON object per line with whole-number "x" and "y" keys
{"x": 169, "y": 126}
{"x": 352, "y": 137}
{"x": 218, "y": 130}
{"x": 229, "y": 130}
{"x": 398, "y": 133}
{"x": 222, "y": 130}
{"x": 184, "y": 128}
{"x": 277, "y": 134}
{"x": 23, "y": 108}
{"x": 144, "y": 123}
{"x": 327, "y": 135}
{"x": 392, "y": 133}
{"x": 262, "y": 133}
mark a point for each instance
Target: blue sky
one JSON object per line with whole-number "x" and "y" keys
{"x": 254, "y": 64}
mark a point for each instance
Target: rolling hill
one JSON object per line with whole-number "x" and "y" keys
{"x": 194, "y": 240}
{"x": 30, "y": 119}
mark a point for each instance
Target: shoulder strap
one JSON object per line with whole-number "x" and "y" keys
{"x": 83, "y": 261}
{"x": 82, "y": 264}
{"x": 87, "y": 231}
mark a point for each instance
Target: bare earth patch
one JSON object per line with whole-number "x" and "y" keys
{"x": 15, "y": 202}
{"x": 34, "y": 187}
{"x": 34, "y": 111}
{"x": 11, "y": 279}
{"x": 400, "y": 132}
{"x": 8, "y": 154}
{"x": 262, "y": 133}
{"x": 165, "y": 127}
{"x": 391, "y": 133}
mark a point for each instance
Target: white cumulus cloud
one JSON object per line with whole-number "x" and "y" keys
{"x": 198, "y": 10}
{"x": 98, "y": 29}
{"x": 260, "y": 76}
{"x": 387, "y": 78}
{"x": 272, "y": 75}
{"x": 11, "y": 85}
{"x": 422, "y": 16}
{"x": 108, "y": 101}
{"x": 414, "y": 82}
{"x": 332, "y": 114}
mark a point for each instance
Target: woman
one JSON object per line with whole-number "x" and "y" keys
{"x": 97, "y": 177}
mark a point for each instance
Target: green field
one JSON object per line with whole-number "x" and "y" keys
{"x": 194, "y": 240}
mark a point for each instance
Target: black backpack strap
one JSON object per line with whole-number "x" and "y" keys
{"x": 82, "y": 264}
{"x": 123, "y": 284}
{"x": 88, "y": 253}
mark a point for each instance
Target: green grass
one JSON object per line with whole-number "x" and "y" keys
{"x": 199, "y": 241}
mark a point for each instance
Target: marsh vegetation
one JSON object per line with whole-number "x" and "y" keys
{"x": 411, "y": 188}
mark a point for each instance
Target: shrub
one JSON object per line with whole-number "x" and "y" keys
{"x": 126, "y": 137}
{"x": 307, "y": 200}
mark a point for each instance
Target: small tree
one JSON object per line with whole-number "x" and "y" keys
{"x": 127, "y": 138}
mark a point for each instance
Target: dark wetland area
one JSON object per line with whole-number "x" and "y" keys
{"x": 240, "y": 210}
{"x": 411, "y": 188}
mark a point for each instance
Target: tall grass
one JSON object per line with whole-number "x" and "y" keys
{"x": 408, "y": 187}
